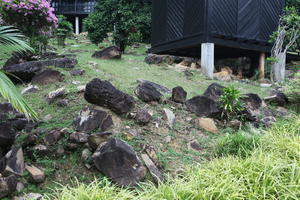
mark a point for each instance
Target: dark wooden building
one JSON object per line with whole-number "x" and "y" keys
{"x": 214, "y": 28}
{"x": 74, "y": 10}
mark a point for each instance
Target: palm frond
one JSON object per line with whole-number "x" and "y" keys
{"x": 12, "y": 37}
{"x": 10, "y": 93}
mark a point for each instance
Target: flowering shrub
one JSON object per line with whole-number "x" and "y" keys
{"x": 35, "y": 18}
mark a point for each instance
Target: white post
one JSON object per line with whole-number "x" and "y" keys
{"x": 77, "y": 25}
{"x": 279, "y": 68}
{"x": 207, "y": 59}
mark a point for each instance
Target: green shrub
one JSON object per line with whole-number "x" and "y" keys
{"x": 63, "y": 30}
{"x": 239, "y": 144}
{"x": 126, "y": 19}
{"x": 292, "y": 89}
{"x": 231, "y": 103}
{"x": 272, "y": 171}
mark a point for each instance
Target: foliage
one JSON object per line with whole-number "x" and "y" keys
{"x": 238, "y": 144}
{"x": 124, "y": 18}
{"x": 272, "y": 171}
{"x": 231, "y": 103}
{"x": 292, "y": 89}
{"x": 11, "y": 37}
{"x": 63, "y": 30}
{"x": 289, "y": 25}
{"x": 36, "y": 14}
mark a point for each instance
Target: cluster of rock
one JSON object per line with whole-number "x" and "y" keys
{"x": 170, "y": 60}
{"x": 12, "y": 165}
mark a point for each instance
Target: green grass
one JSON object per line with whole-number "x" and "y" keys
{"x": 238, "y": 144}
{"x": 272, "y": 171}
{"x": 123, "y": 74}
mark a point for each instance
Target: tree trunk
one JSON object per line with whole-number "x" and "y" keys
{"x": 279, "y": 68}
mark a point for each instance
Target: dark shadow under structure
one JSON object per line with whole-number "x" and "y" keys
{"x": 236, "y": 28}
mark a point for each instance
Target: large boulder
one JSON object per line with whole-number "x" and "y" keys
{"x": 252, "y": 100}
{"x": 277, "y": 99}
{"x": 147, "y": 92}
{"x": 143, "y": 117}
{"x": 7, "y": 135}
{"x": 179, "y": 94}
{"x": 214, "y": 91}
{"x": 91, "y": 119}
{"x": 48, "y": 76}
{"x": 108, "y": 53}
{"x": 158, "y": 87}
{"x": 26, "y": 71}
{"x": 117, "y": 160}
{"x": 13, "y": 163}
{"x": 103, "y": 93}
{"x": 7, "y": 185}
{"x": 203, "y": 106}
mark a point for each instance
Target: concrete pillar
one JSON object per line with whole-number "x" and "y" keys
{"x": 76, "y": 25}
{"x": 261, "y": 67}
{"x": 207, "y": 59}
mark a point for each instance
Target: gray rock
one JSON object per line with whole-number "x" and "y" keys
{"x": 278, "y": 99}
{"x": 143, "y": 116}
{"x": 47, "y": 76}
{"x": 117, "y": 160}
{"x": 41, "y": 150}
{"x": 7, "y": 135}
{"x": 95, "y": 140}
{"x": 169, "y": 116}
{"x": 30, "y": 196}
{"x": 147, "y": 92}
{"x": 179, "y": 95}
{"x": 79, "y": 137}
{"x": 36, "y": 174}
{"x": 158, "y": 87}
{"x": 91, "y": 119}
{"x": 52, "y": 96}
{"x": 214, "y": 91}
{"x": 103, "y": 93}
{"x": 26, "y": 71}
{"x": 13, "y": 163}
{"x": 77, "y": 72}
{"x": 203, "y": 106}
{"x": 7, "y": 185}
{"x": 252, "y": 100}
{"x": 108, "y": 53}
{"x": 30, "y": 89}
{"x": 86, "y": 155}
{"x": 52, "y": 137}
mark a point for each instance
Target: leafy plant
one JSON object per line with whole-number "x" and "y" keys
{"x": 63, "y": 30}
{"x": 11, "y": 37}
{"x": 231, "y": 104}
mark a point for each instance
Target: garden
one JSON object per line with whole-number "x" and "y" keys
{"x": 96, "y": 116}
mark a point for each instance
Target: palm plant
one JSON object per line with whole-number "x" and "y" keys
{"x": 11, "y": 37}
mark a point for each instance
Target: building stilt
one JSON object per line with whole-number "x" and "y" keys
{"x": 261, "y": 66}
{"x": 207, "y": 59}
{"x": 77, "y": 25}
